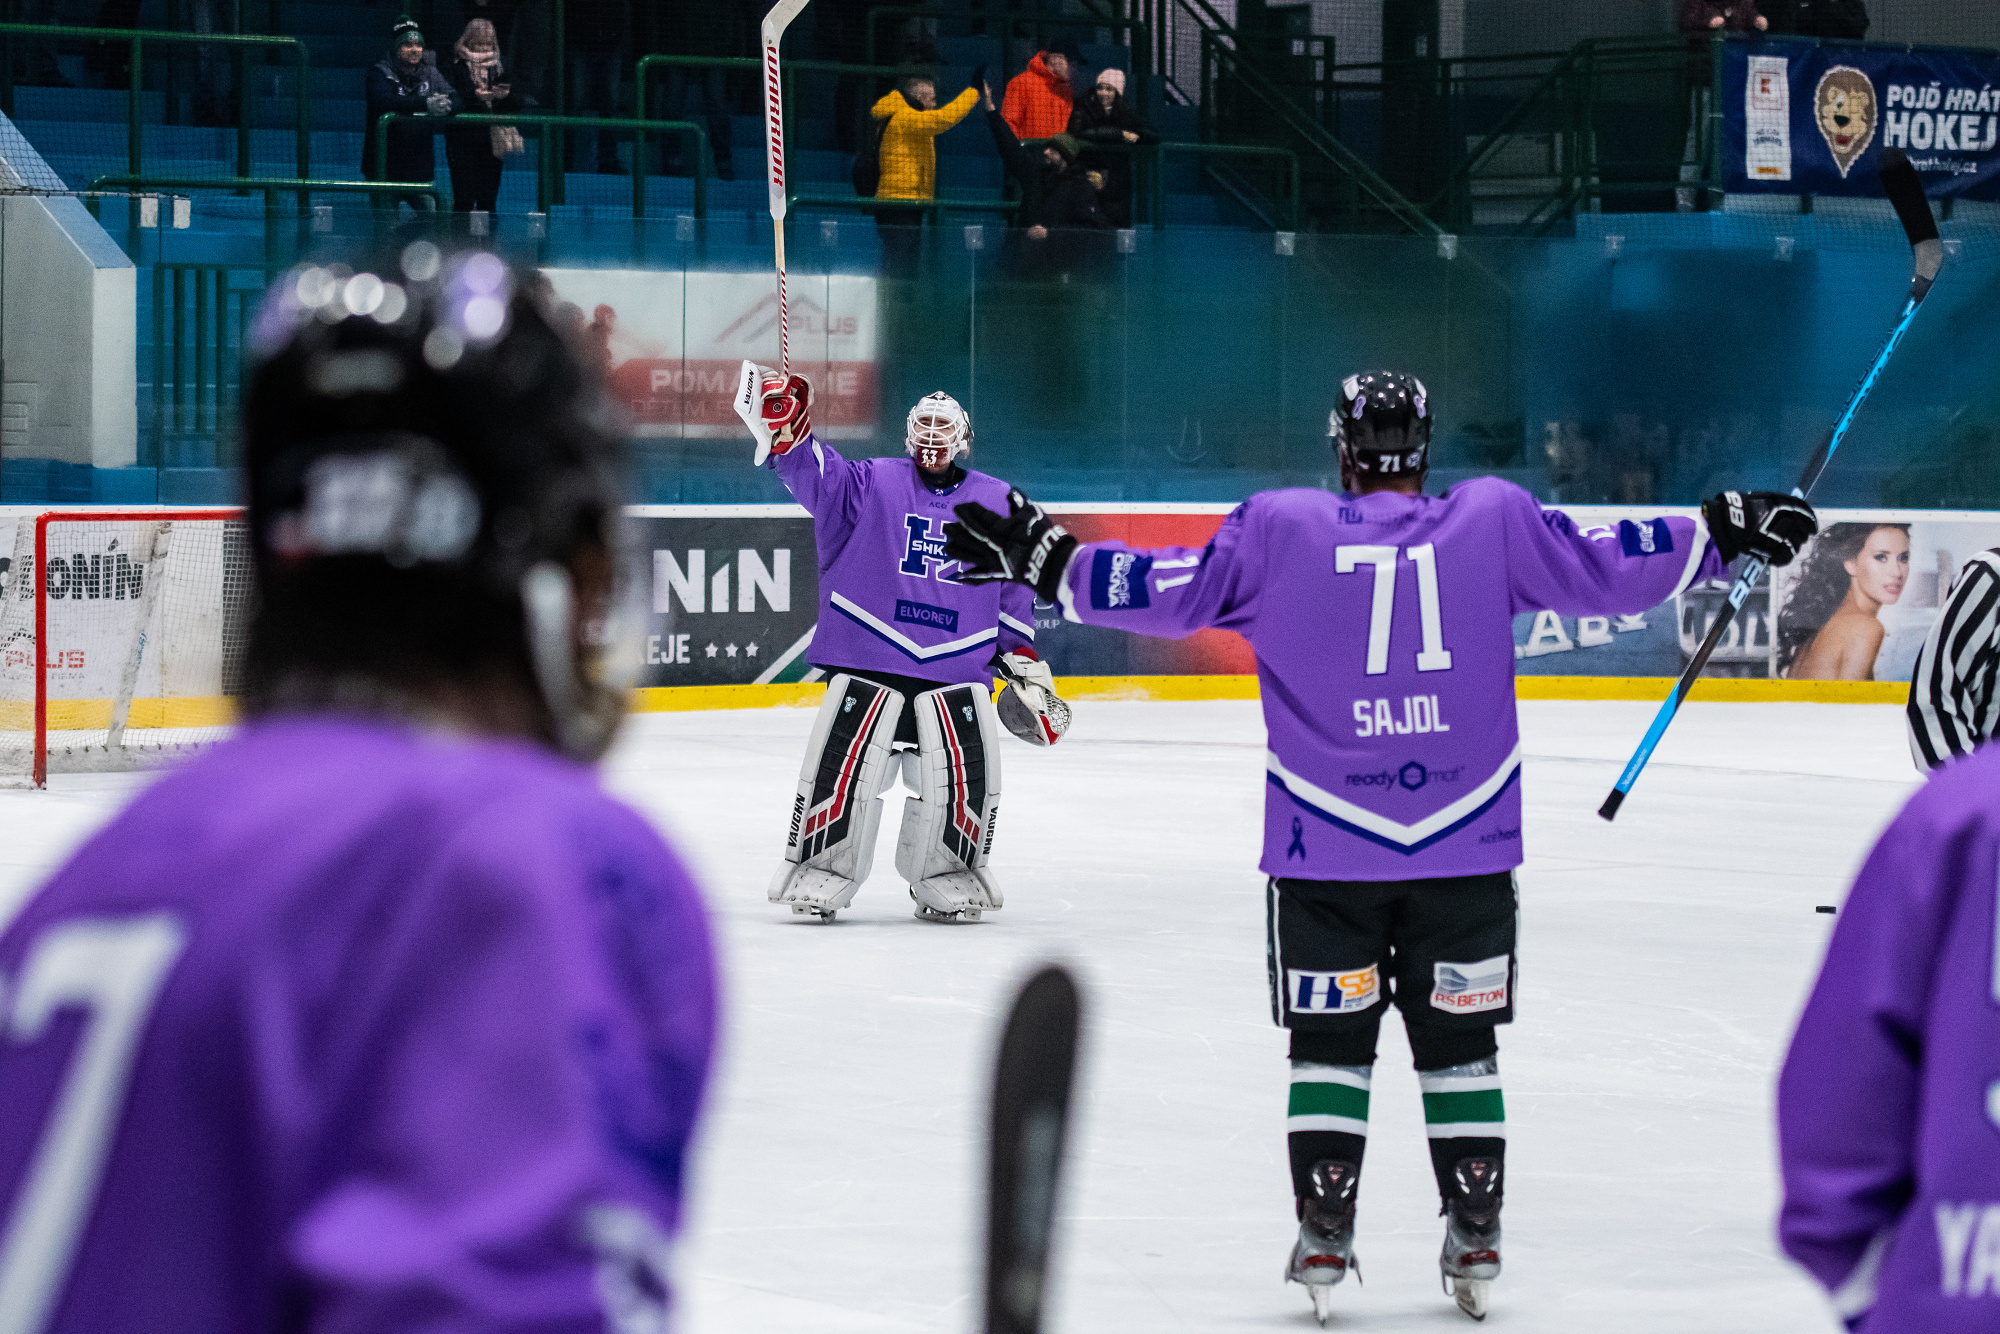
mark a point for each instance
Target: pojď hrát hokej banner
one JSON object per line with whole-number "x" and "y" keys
{"x": 1805, "y": 119}
{"x": 732, "y": 593}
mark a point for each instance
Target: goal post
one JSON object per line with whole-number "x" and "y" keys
{"x": 121, "y": 638}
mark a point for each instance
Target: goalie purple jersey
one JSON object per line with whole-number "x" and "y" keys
{"x": 1889, "y": 1104}
{"x": 887, "y": 598}
{"x": 1382, "y": 626}
{"x": 345, "y": 1028}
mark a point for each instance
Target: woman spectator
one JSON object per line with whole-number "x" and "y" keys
{"x": 407, "y": 82}
{"x": 476, "y": 153}
{"x": 1109, "y": 130}
{"x": 1828, "y": 629}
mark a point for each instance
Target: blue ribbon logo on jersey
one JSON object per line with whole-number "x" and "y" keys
{"x": 923, "y": 548}
{"x": 1298, "y": 848}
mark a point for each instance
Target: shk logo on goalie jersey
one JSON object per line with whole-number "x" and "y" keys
{"x": 1332, "y": 993}
{"x": 1470, "y": 988}
{"x": 923, "y": 547}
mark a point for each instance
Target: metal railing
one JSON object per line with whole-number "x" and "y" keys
{"x": 271, "y": 189}
{"x": 1139, "y": 41}
{"x": 1284, "y": 219}
{"x": 549, "y": 147}
{"x": 137, "y": 39}
{"x": 197, "y": 364}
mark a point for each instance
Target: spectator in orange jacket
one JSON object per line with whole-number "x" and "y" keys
{"x": 1039, "y": 99}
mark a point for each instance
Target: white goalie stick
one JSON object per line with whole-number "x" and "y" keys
{"x": 749, "y": 384}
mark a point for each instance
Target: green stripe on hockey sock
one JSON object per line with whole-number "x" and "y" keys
{"x": 1474, "y": 1105}
{"x": 1318, "y": 1099}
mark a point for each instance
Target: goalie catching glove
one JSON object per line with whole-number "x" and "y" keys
{"x": 1025, "y": 546}
{"x": 1028, "y": 706}
{"x": 1771, "y": 524}
{"x": 777, "y": 408}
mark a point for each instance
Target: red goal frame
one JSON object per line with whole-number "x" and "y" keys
{"x": 42, "y": 522}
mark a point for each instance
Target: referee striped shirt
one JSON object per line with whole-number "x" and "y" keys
{"x": 1953, "y": 704}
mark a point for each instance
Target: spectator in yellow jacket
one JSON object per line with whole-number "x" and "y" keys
{"x": 914, "y": 120}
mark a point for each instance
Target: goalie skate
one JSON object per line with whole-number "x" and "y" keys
{"x": 959, "y": 896}
{"x": 1324, "y": 1252}
{"x": 811, "y": 891}
{"x": 1470, "y": 1260}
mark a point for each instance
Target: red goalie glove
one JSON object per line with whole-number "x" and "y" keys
{"x": 777, "y": 408}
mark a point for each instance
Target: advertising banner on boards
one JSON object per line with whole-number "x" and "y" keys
{"x": 733, "y": 593}
{"x": 673, "y": 342}
{"x": 1798, "y": 118}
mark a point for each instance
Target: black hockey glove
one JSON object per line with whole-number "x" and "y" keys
{"x": 1770, "y": 523}
{"x": 1024, "y": 547}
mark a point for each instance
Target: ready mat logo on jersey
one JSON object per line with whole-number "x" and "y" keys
{"x": 1332, "y": 993}
{"x": 1470, "y": 988}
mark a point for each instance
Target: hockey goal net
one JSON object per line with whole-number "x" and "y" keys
{"x": 121, "y": 638}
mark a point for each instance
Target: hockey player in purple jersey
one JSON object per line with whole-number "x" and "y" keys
{"x": 381, "y": 1015}
{"x": 1889, "y": 1102}
{"x": 910, "y": 654}
{"x": 1382, "y": 623}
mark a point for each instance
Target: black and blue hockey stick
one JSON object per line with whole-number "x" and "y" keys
{"x": 1906, "y": 192}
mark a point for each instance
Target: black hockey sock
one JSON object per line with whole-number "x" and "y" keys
{"x": 1465, "y": 1117}
{"x": 1327, "y": 1118}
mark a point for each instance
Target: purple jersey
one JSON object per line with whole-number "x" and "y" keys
{"x": 1383, "y": 631}
{"x": 345, "y": 1028}
{"x": 887, "y": 599}
{"x": 1889, "y": 1104}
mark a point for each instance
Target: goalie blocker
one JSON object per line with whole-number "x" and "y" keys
{"x": 952, "y": 769}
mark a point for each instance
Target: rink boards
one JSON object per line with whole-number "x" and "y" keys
{"x": 732, "y": 596}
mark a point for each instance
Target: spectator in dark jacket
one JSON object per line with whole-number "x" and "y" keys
{"x": 1105, "y": 120}
{"x": 474, "y": 153}
{"x": 1820, "y": 18}
{"x": 1059, "y": 198}
{"x": 406, "y": 80}
{"x": 1699, "y": 17}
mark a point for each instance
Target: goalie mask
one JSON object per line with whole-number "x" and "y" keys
{"x": 937, "y": 432}
{"x": 1382, "y": 427}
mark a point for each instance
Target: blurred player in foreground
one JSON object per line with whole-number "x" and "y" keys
{"x": 911, "y": 654}
{"x": 381, "y": 1015}
{"x": 1889, "y": 1102}
{"x": 1382, "y": 622}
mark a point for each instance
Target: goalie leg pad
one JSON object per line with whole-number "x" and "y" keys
{"x": 947, "y": 833}
{"x": 831, "y": 845}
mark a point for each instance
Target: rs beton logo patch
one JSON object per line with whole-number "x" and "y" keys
{"x": 1332, "y": 993}
{"x": 1470, "y": 988}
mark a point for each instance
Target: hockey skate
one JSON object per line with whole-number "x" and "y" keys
{"x": 957, "y": 896}
{"x": 812, "y": 891}
{"x": 1471, "y": 1257}
{"x": 1324, "y": 1252}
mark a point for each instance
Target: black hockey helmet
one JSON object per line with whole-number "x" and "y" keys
{"x": 427, "y": 454}
{"x": 1382, "y": 427}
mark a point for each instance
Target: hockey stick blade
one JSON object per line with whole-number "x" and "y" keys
{"x": 1905, "y": 190}
{"x": 1031, "y": 1093}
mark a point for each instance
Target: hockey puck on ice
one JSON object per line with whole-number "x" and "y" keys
{"x": 1824, "y": 907}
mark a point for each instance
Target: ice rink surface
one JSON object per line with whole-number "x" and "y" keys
{"x": 1662, "y": 962}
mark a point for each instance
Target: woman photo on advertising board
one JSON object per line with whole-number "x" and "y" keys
{"x": 1828, "y": 628}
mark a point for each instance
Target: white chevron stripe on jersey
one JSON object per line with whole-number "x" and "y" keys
{"x": 1381, "y": 825}
{"x": 921, "y": 652}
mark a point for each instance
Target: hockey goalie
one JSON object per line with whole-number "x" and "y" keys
{"x": 911, "y": 655}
